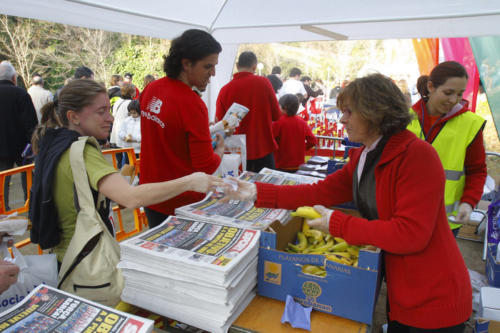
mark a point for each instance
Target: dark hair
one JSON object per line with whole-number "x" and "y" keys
{"x": 193, "y": 45}
{"x": 83, "y": 71}
{"x": 379, "y": 101}
{"x": 76, "y": 95}
{"x": 275, "y": 82}
{"x": 439, "y": 75}
{"x": 305, "y": 78}
{"x": 276, "y": 70}
{"x": 147, "y": 80}
{"x": 295, "y": 71}
{"x": 290, "y": 104}
{"x": 300, "y": 97}
{"x": 127, "y": 91}
{"x": 115, "y": 79}
{"x": 134, "y": 105}
{"x": 247, "y": 59}
{"x": 128, "y": 76}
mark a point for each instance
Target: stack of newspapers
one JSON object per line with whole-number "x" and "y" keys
{"x": 199, "y": 273}
{"x": 244, "y": 214}
{"x": 47, "y": 309}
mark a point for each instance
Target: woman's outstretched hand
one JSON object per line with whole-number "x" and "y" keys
{"x": 235, "y": 189}
{"x": 201, "y": 182}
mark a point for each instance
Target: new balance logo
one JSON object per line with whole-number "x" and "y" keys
{"x": 155, "y": 105}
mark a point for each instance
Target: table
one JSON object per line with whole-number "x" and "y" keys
{"x": 264, "y": 315}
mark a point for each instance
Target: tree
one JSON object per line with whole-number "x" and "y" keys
{"x": 18, "y": 42}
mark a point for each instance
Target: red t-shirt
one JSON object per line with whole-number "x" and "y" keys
{"x": 294, "y": 137}
{"x": 175, "y": 138}
{"x": 257, "y": 94}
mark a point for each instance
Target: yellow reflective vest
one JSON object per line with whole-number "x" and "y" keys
{"x": 451, "y": 145}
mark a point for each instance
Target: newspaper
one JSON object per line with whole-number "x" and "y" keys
{"x": 47, "y": 309}
{"x": 244, "y": 214}
{"x": 214, "y": 251}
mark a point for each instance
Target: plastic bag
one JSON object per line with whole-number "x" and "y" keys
{"x": 236, "y": 160}
{"x": 494, "y": 220}
{"x": 33, "y": 270}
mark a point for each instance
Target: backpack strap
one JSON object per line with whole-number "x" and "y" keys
{"x": 80, "y": 177}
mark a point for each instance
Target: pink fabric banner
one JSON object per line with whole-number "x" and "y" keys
{"x": 459, "y": 50}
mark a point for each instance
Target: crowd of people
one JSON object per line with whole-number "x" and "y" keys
{"x": 396, "y": 178}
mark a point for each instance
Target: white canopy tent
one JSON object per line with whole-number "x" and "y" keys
{"x": 233, "y": 22}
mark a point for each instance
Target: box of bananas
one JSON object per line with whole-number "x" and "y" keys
{"x": 317, "y": 269}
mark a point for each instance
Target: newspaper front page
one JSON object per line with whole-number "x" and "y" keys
{"x": 244, "y": 214}
{"x": 47, "y": 309}
{"x": 195, "y": 243}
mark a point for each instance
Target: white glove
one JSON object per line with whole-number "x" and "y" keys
{"x": 463, "y": 214}
{"x": 321, "y": 223}
{"x": 245, "y": 191}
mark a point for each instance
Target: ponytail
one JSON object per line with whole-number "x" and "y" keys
{"x": 422, "y": 87}
{"x": 50, "y": 119}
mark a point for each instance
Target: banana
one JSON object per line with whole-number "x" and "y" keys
{"x": 316, "y": 234}
{"x": 353, "y": 251}
{"x": 313, "y": 270}
{"x": 323, "y": 248}
{"x": 302, "y": 244}
{"x": 305, "y": 226}
{"x": 340, "y": 247}
{"x": 339, "y": 259}
{"x": 338, "y": 240}
{"x": 306, "y": 212}
{"x": 293, "y": 248}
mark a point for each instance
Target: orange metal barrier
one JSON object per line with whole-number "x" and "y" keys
{"x": 140, "y": 220}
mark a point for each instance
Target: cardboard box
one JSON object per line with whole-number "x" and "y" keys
{"x": 346, "y": 291}
{"x": 492, "y": 268}
{"x": 486, "y": 326}
{"x": 489, "y": 304}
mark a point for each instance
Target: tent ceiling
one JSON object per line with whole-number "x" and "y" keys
{"x": 262, "y": 21}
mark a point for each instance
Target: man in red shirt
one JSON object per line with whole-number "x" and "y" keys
{"x": 174, "y": 120}
{"x": 257, "y": 94}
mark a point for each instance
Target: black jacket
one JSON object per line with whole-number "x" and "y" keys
{"x": 45, "y": 230}
{"x": 18, "y": 120}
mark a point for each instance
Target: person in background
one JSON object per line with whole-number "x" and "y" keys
{"x": 443, "y": 119}
{"x": 127, "y": 78}
{"x": 292, "y": 134}
{"x": 293, "y": 84}
{"x": 256, "y": 93}
{"x": 83, "y": 108}
{"x": 275, "y": 83}
{"x": 83, "y": 72}
{"x": 120, "y": 112}
{"x": 39, "y": 95}
{"x": 130, "y": 132}
{"x": 147, "y": 80}
{"x": 115, "y": 84}
{"x": 276, "y": 71}
{"x": 306, "y": 81}
{"x": 397, "y": 182}
{"x": 18, "y": 122}
{"x": 176, "y": 138}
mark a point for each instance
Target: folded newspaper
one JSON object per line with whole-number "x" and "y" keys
{"x": 244, "y": 214}
{"x": 47, "y": 309}
{"x": 197, "y": 272}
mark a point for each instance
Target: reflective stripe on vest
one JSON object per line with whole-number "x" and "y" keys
{"x": 451, "y": 145}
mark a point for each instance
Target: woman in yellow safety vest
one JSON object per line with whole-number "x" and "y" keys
{"x": 443, "y": 119}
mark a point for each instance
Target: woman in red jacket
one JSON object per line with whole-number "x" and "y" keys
{"x": 397, "y": 182}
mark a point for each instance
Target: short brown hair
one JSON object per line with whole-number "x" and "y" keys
{"x": 127, "y": 91}
{"x": 379, "y": 101}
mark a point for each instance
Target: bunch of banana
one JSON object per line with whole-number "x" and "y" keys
{"x": 306, "y": 212}
{"x": 312, "y": 241}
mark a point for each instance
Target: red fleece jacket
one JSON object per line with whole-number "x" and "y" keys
{"x": 294, "y": 137}
{"x": 175, "y": 138}
{"x": 428, "y": 284}
{"x": 475, "y": 156}
{"x": 256, "y": 93}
